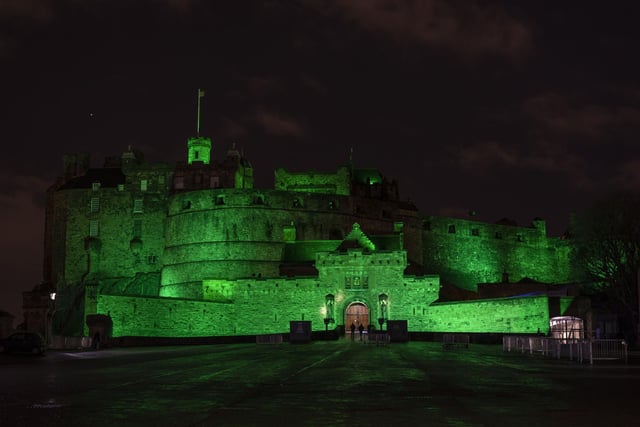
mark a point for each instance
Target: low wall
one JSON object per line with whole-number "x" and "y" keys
{"x": 166, "y": 317}
{"x": 504, "y": 315}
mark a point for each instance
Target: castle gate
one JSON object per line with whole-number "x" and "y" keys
{"x": 358, "y": 314}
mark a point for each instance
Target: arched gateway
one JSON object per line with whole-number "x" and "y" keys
{"x": 357, "y": 313}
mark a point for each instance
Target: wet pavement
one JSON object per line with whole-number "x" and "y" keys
{"x": 332, "y": 383}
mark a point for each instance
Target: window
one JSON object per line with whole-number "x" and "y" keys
{"x": 93, "y": 228}
{"x": 137, "y": 206}
{"x": 186, "y": 204}
{"x": 475, "y": 232}
{"x": 498, "y": 235}
{"x": 219, "y": 200}
{"x": 137, "y": 228}
{"x": 120, "y": 187}
{"x": 258, "y": 199}
{"x": 296, "y": 203}
{"x": 152, "y": 259}
{"x": 143, "y": 184}
{"x": 95, "y": 186}
{"x": 519, "y": 238}
{"x": 452, "y": 229}
{"x": 178, "y": 182}
{"x": 214, "y": 182}
{"x": 332, "y": 205}
{"x": 160, "y": 179}
{"x": 95, "y": 204}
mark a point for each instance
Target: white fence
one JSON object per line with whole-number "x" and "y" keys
{"x": 580, "y": 350}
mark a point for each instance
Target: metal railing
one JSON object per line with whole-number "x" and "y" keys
{"x": 580, "y": 350}
{"x": 379, "y": 338}
{"x": 606, "y": 350}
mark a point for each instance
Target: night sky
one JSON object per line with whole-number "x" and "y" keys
{"x": 509, "y": 109}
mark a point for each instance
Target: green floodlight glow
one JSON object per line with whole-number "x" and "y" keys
{"x": 199, "y": 150}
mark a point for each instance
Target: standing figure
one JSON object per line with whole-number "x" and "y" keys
{"x": 361, "y": 329}
{"x": 353, "y": 330}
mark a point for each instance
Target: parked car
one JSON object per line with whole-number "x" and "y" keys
{"x": 24, "y": 342}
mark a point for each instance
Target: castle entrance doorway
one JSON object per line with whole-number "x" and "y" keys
{"x": 357, "y": 314}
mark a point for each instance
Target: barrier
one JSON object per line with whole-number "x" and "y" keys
{"x": 572, "y": 349}
{"x": 379, "y": 338}
{"x": 455, "y": 341}
{"x": 606, "y": 350}
{"x": 269, "y": 339}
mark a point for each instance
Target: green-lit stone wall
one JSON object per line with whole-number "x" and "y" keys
{"x": 259, "y": 307}
{"x": 314, "y": 182}
{"x": 231, "y": 234}
{"x": 166, "y": 317}
{"x": 466, "y": 253}
{"x": 128, "y": 241}
{"x": 505, "y": 315}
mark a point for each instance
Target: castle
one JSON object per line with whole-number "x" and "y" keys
{"x": 194, "y": 249}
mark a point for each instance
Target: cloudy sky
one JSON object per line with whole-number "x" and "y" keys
{"x": 510, "y": 109}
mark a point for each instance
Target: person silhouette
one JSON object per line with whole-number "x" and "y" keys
{"x": 360, "y": 329}
{"x": 353, "y": 330}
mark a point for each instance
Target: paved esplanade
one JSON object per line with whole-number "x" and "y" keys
{"x": 322, "y": 383}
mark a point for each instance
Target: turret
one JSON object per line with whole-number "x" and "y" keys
{"x": 199, "y": 147}
{"x": 199, "y": 150}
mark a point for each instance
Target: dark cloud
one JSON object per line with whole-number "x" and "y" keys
{"x": 32, "y": 10}
{"x": 469, "y": 28}
{"x": 278, "y": 124}
{"x": 483, "y": 156}
{"x": 628, "y": 176}
{"x": 561, "y": 116}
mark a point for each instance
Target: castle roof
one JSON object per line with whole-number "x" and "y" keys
{"x": 356, "y": 239}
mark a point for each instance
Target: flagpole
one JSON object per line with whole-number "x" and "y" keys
{"x": 198, "y": 119}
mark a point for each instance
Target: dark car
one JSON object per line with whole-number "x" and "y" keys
{"x": 24, "y": 342}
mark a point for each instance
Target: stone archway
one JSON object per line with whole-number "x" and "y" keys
{"x": 358, "y": 314}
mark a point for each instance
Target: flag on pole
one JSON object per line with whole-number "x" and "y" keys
{"x": 200, "y": 93}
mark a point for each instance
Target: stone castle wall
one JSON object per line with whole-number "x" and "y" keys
{"x": 126, "y": 243}
{"x": 231, "y": 234}
{"x": 267, "y": 306}
{"x": 505, "y": 315}
{"x": 314, "y": 182}
{"x": 258, "y": 306}
{"x": 166, "y": 317}
{"x": 467, "y": 252}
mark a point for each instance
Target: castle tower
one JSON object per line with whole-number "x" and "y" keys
{"x": 199, "y": 147}
{"x": 199, "y": 150}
